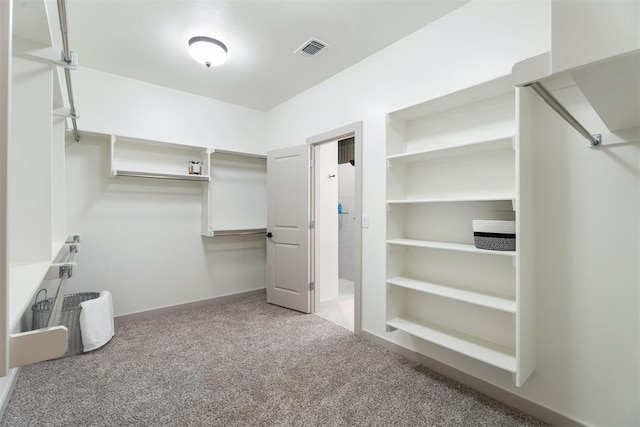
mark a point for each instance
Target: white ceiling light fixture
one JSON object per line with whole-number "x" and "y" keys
{"x": 208, "y": 51}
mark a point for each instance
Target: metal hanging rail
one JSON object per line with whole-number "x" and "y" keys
{"x": 62, "y": 15}
{"x": 243, "y": 232}
{"x": 594, "y": 139}
{"x": 66, "y": 272}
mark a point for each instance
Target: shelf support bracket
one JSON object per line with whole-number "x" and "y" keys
{"x": 594, "y": 139}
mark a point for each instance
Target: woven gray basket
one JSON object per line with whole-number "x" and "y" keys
{"x": 69, "y": 317}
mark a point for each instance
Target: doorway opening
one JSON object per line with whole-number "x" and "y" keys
{"x": 336, "y": 214}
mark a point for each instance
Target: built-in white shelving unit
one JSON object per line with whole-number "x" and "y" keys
{"x": 234, "y": 202}
{"x": 451, "y": 160}
{"x": 141, "y": 158}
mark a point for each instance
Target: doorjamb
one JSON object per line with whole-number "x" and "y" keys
{"x": 355, "y": 130}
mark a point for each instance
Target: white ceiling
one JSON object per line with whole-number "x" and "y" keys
{"x": 147, "y": 40}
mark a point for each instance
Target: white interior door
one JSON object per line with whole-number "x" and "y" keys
{"x": 288, "y": 228}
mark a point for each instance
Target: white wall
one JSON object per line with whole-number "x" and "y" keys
{"x": 141, "y": 238}
{"x": 326, "y": 211}
{"x": 346, "y": 222}
{"x": 584, "y": 349}
{"x": 113, "y": 104}
{"x": 587, "y": 223}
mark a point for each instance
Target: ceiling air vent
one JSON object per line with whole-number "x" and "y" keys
{"x": 311, "y": 47}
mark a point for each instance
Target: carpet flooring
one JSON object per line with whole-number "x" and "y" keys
{"x": 244, "y": 363}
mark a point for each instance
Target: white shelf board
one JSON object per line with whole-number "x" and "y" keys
{"x": 448, "y": 246}
{"x": 612, "y": 86}
{"x": 485, "y": 300}
{"x": 24, "y": 281}
{"x": 450, "y": 101}
{"x": 472, "y": 147}
{"x": 160, "y": 175}
{"x": 458, "y": 198}
{"x": 215, "y": 151}
{"x": 484, "y": 351}
{"x": 157, "y": 143}
{"x": 238, "y": 231}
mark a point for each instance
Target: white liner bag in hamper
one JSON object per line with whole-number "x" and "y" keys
{"x": 96, "y": 321}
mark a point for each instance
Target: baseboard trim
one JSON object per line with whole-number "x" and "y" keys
{"x": 528, "y": 407}
{"x": 148, "y": 314}
{"x": 5, "y": 394}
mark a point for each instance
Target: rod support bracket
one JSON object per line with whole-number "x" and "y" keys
{"x": 596, "y": 140}
{"x": 60, "y": 270}
{"x": 66, "y": 271}
{"x": 74, "y": 238}
{"x": 71, "y": 63}
{"x": 66, "y": 113}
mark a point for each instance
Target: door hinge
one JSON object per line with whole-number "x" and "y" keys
{"x": 312, "y": 286}
{"x": 310, "y": 163}
{"x": 312, "y": 225}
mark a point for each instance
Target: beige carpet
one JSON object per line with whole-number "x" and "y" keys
{"x": 244, "y": 363}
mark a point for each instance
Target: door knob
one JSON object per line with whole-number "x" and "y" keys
{"x": 269, "y": 235}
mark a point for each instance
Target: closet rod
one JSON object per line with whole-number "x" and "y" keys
{"x": 239, "y": 232}
{"x": 594, "y": 139}
{"x": 62, "y": 16}
{"x": 56, "y": 310}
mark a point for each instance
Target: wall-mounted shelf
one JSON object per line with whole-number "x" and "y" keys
{"x": 485, "y": 351}
{"x": 465, "y": 148}
{"x": 495, "y": 302}
{"x": 239, "y": 232}
{"x": 451, "y": 160}
{"x": 158, "y": 175}
{"x": 447, "y": 247}
{"x": 234, "y": 202}
{"x": 139, "y": 158}
{"x": 457, "y": 199}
